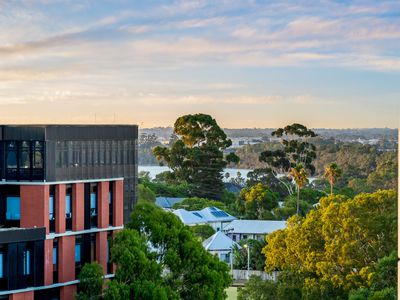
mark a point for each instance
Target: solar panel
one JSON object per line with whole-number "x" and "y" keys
{"x": 219, "y": 214}
{"x": 197, "y": 214}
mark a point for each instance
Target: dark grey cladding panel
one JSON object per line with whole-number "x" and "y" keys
{"x": 12, "y": 235}
{"x": 17, "y": 132}
{"x": 91, "y": 132}
{"x": 69, "y": 132}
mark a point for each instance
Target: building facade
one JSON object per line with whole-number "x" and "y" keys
{"x": 64, "y": 191}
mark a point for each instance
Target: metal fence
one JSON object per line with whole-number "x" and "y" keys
{"x": 244, "y": 275}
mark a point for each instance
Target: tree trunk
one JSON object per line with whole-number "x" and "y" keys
{"x": 298, "y": 199}
{"x": 331, "y": 188}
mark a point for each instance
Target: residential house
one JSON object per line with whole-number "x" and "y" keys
{"x": 221, "y": 245}
{"x": 252, "y": 229}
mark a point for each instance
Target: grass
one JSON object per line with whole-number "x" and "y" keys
{"x": 232, "y": 293}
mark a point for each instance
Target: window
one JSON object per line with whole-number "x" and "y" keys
{"x": 38, "y": 155}
{"x": 93, "y": 205}
{"x": 110, "y": 203}
{"x": 1, "y": 265}
{"x": 77, "y": 253}
{"x": 13, "y": 208}
{"x": 68, "y": 207}
{"x": 12, "y": 155}
{"x": 27, "y": 262}
{"x": 52, "y": 209}
{"x": 78, "y": 249}
{"x": 109, "y": 263}
{"x": 92, "y": 247}
{"x": 24, "y": 156}
{"x": 55, "y": 260}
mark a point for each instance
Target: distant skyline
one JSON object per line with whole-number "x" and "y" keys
{"x": 264, "y": 64}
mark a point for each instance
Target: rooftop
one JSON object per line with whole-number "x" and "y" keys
{"x": 168, "y": 202}
{"x": 254, "y": 226}
{"x": 219, "y": 241}
{"x": 206, "y": 215}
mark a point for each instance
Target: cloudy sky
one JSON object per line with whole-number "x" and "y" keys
{"x": 335, "y": 64}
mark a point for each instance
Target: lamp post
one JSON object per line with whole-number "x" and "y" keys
{"x": 248, "y": 259}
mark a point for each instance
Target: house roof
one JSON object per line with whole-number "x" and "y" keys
{"x": 188, "y": 217}
{"x": 206, "y": 215}
{"x": 219, "y": 241}
{"x": 254, "y": 226}
{"x": 168, "y": 202}
{"x": 214, "y": 214}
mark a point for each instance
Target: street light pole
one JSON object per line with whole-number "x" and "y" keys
{"x": 248, "y": 259}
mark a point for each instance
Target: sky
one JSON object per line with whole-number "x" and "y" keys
{"x": 248, "y": 63}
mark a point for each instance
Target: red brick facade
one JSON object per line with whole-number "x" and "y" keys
{"x": 34, "y": 211}
{"x": 34, "y": 206}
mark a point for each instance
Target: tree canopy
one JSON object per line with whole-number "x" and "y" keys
{"x": 176, "y": 266}
{"x": 256, "y": 202}
{"x": 197, "y": 157}
{"x": 336, "y": 246}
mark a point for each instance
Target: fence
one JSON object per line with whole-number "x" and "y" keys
{"x": 239, "y": 275}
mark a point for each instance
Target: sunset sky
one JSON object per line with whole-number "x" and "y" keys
{"x": 247, "y": 63}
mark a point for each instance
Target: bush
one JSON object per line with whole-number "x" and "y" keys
{"x": 91, "y": 282}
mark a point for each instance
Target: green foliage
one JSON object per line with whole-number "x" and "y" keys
{"x": 299, "y": 175}
{"x": 191, "y": 269}
{"x": 295, "y": 150}
{"x": 146, "y": 143}
{"x": 256, "y": 202}
{"x": 356, "y": 161}
{"x": 203, "y": 232}
{"x": 258, "y": 289}
{"x": 196, "y": 157}
{"x": 91, "y": 282}
{"x": 385, "y": 294}
{"x": 145, "y": 194}
{"x": 168, "y": 190}
{"x": 332, "y": 173}
{"x": 266, "y": 177}
{"x": 335, "y": 247}
{"x": 290, "y": 208}
{"x": 196, "y": 203}
{"x": 257, "y": 259}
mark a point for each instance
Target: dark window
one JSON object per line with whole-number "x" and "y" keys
{"x": 109, "y": 263}
{"x": 78, "y": 254}
{"x": 68, "y": 207}
{"x": 55, "y": 260}
{"x": 3, "y": 267}
{"x": 24, "y": 156}
{"x": 12, "y": 155}
{"x": 84, "y": 153}
{"x": 95, "y": 153}
{"x": 110, "y": 204}
{"x": 102, "y": 149}
{"x": 90, "y": 205}
{"x": 92, "y": 247}
{"x": 93, "y": 205}
{"x": 52, "y": 209}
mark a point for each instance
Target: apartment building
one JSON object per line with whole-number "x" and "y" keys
{"x": 64, "y": 191}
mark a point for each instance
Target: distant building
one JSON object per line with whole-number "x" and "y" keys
{"x": 168, "y": 202}
{"x": 252, "y": 229}
{"x": 221, "y": 245}
{"x": 213, "y": 216}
